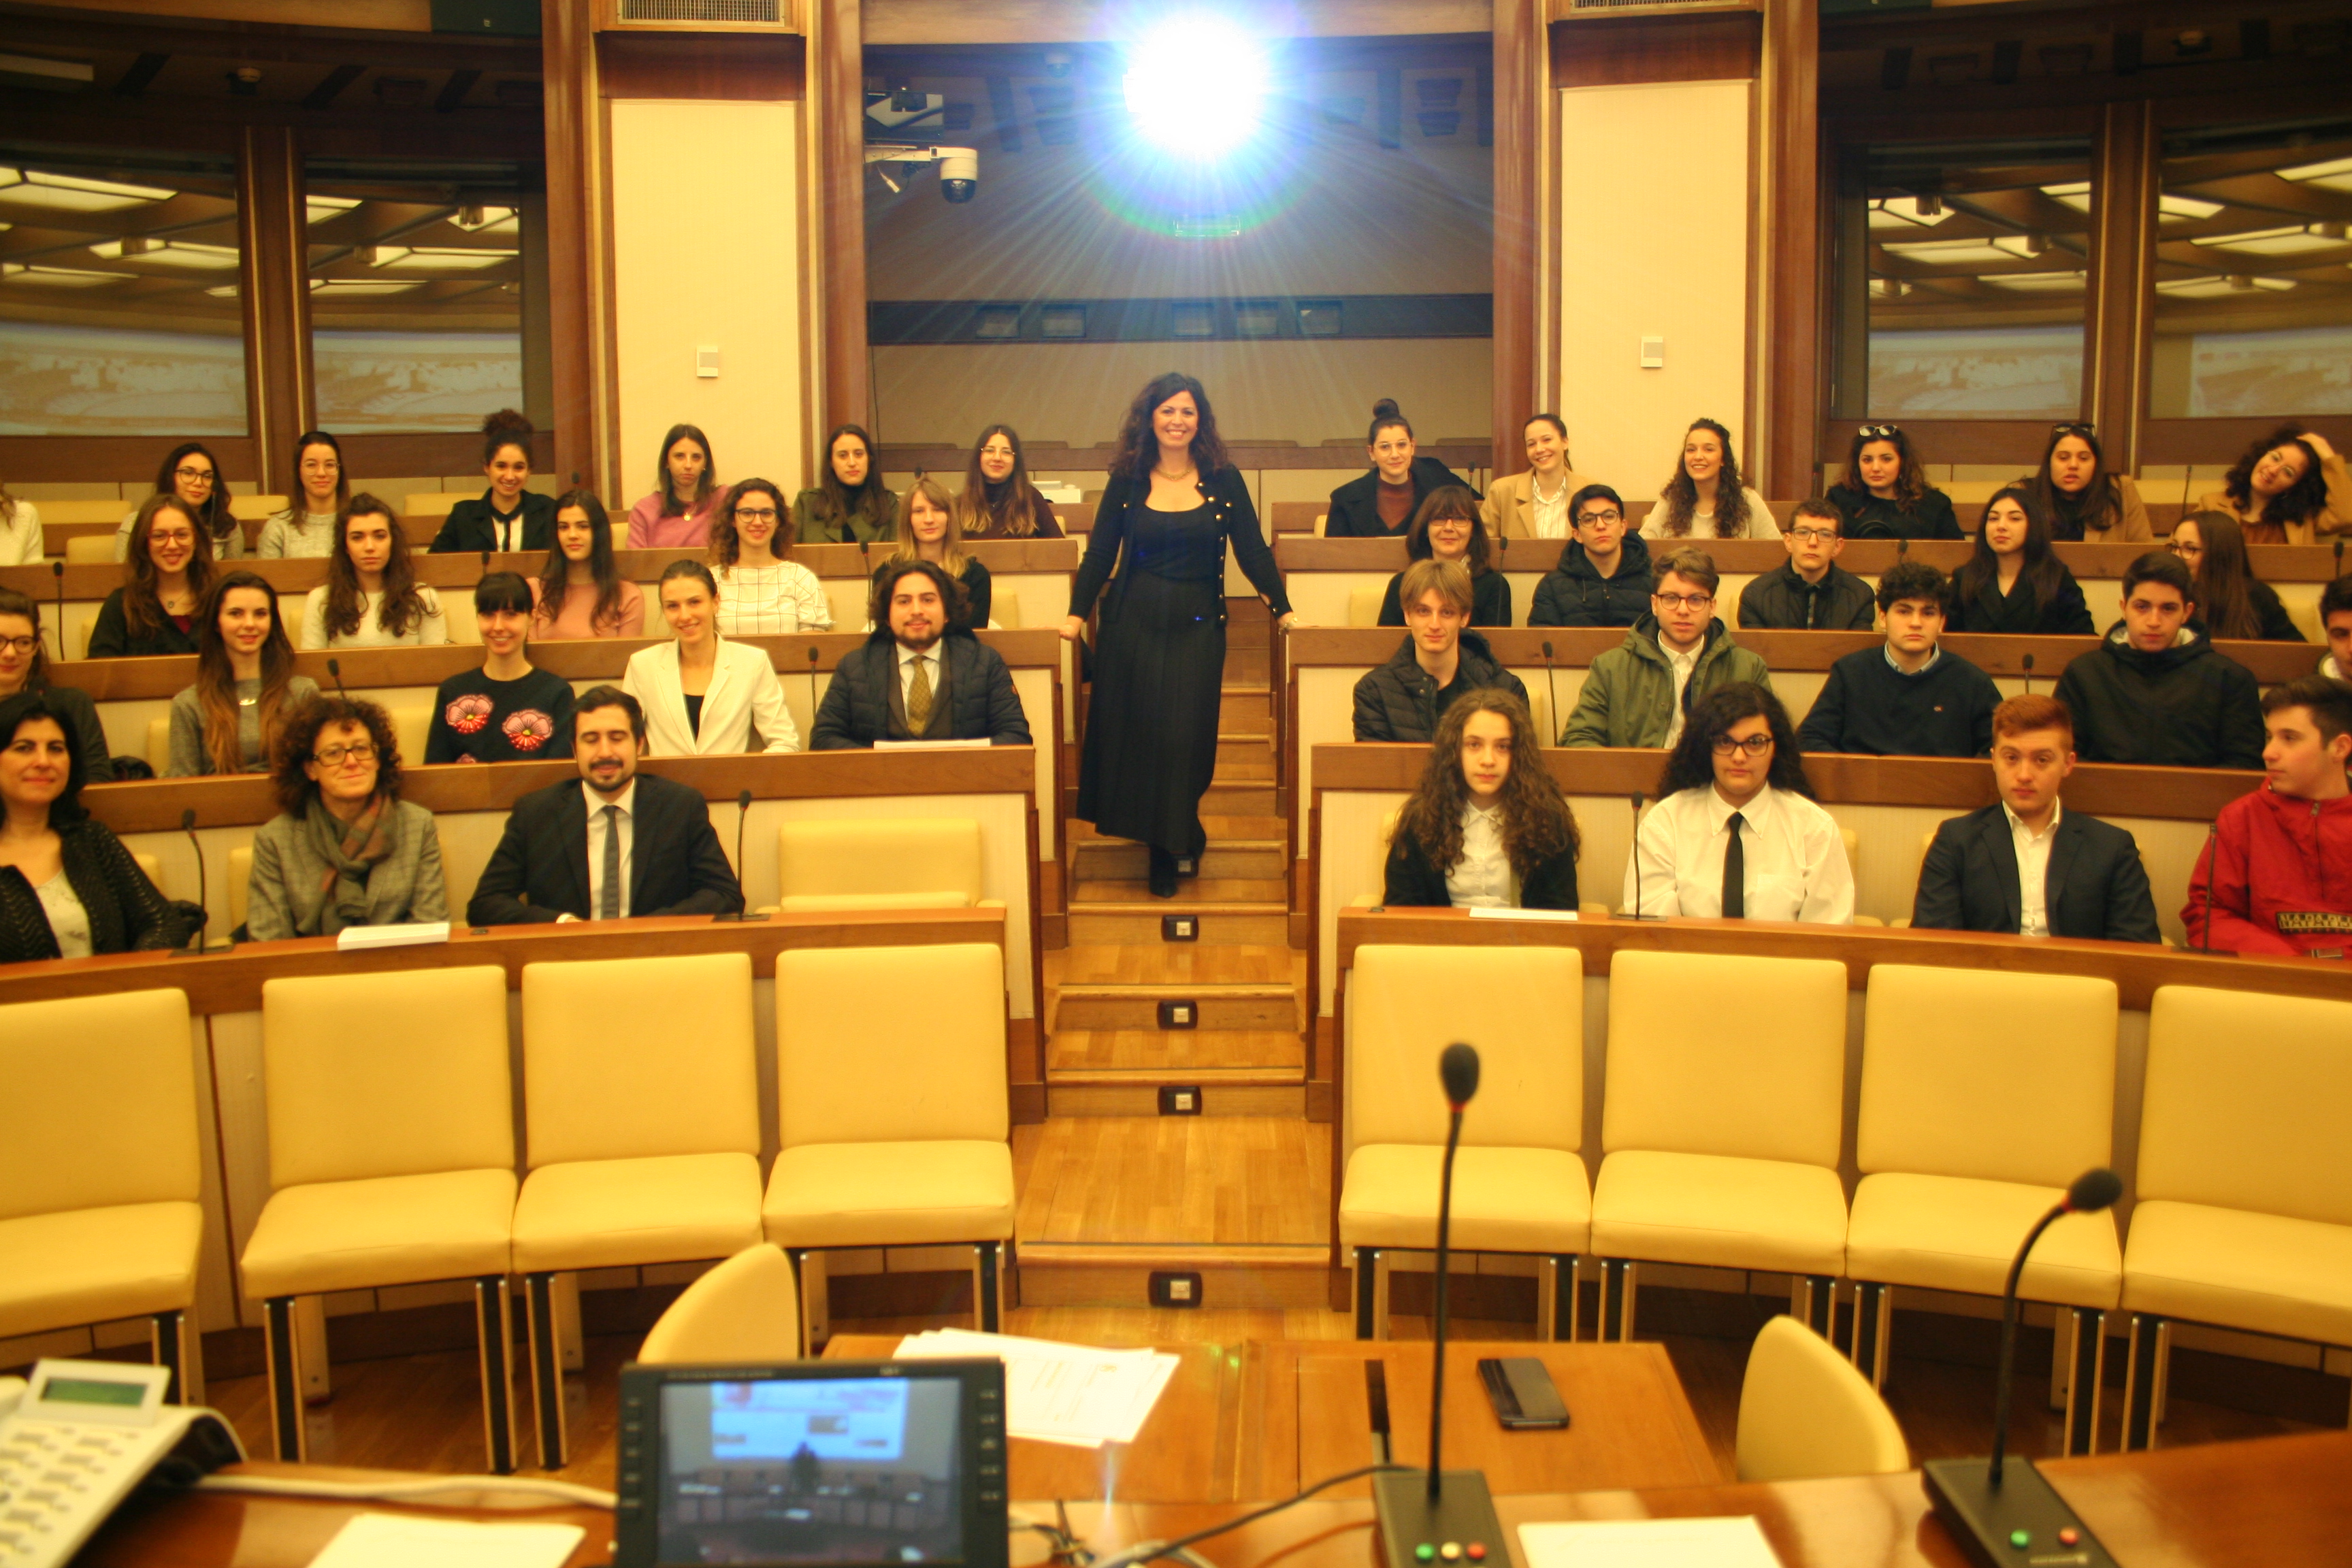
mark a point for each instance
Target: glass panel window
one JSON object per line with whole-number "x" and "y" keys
{"x": 2253, "y": 273}
{"x": 119, "y": 308}
{"x": 1962, "y": 274}
{"x": 421, "y": 288}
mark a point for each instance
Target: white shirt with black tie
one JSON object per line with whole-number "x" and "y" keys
{"x": 1794, "y": 854}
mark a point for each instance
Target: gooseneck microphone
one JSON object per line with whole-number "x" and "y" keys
{"x": 58, "y": 570}
{"x": 1552, "y": 680}
{"x": 812, "y": 688}
{"x": 204, "y": 898}
{"x": 335, "y": 671}
{"x": 742, "y": 819}
{"x": 2027, "y": 660}
{"x": 1999, "y": 1516}
{"x": 1447, "y": 1514}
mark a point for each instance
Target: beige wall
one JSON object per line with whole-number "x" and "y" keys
{"x": 679, "y": 283}
{"x": 1652, "y": 242}
{"x": 1285, "y": 391}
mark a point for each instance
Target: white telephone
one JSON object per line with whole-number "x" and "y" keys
{"x": 81, "y": 1437}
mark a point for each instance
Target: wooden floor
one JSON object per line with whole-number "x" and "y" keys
{"x": 1210, "y": 1181}
{"x": 423, "y": 1412}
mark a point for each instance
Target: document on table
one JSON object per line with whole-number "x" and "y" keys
{"x": 416, "y": 935}
{"x": 1056, "y": 1393}
{"x": 403, "y": 1541}
{"x": 1481, "y": 913}
{"x": 1648, "y": 1543}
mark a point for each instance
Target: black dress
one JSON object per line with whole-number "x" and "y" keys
{"x": 1160, "y": 662}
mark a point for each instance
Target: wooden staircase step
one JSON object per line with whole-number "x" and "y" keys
{"x": 1218, "y": 1007}
{"x": 1257, "y": 859}
{"x": 1253, "y": 924}
{"x": 1263, "y": 1278}
{"x": 1192, "y": 1182}
{"x": 1269, "y": 891}
{"x": 1084, "y": 965}
{"x": 1245, "y": 710}
{"x": 1234, "y": 797}
{"x": 1176, "y": 1055}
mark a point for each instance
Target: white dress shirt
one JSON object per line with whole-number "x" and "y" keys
{"x": 1547, "y": 515}
{"x": 431, "y": 631}
{"x": 596, "y": 804}
{"x": 1482, "y": 878}
{"x": 743, "y": 698}
{"x": 2033, "y": 870}
{"x": 771, "y": 601}
{"x": 1792, "y": 849}
{"x": 1684, "y": 665}
{"x": 907, "y": 657}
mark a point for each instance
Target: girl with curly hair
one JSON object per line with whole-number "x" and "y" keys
{"x": 1705, "y": 499}
{"x": 344, "y": 848}
{"x": 1487, "y": 827}
{"x": 1884, "y": 495}
{"x": 2289, "y": 488}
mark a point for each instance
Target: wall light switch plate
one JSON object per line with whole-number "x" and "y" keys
{"x": 1184, "y": 1015}
{"x": 1654, "y": 354}
{"x": 706, "y": 362}
{"x": 1179, "y": 1099}
{"x": 1172, "y": 1289}
{"x": 1180, "y": 928}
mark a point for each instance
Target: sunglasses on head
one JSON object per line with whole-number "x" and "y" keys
{"x": 2074, "y": 428}
{"x": 1880, "y": 432}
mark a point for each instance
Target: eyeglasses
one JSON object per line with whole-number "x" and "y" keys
{"x": 755, "y": 514}
{"x": 20, "y": 644}
{"x": 357, "y": 752}
{"x": 194, "y": 476}
{"x": 2179, "y": 548}
{"x": 1592, "y": 519}
{"x": 1755, "y": 745}
{"x": 1682, "y": 601}
{"x": 1880, "y": 432}
{"x": 1812, "y": 535}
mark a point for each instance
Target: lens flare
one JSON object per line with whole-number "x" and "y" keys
{"x": 1196, "y": 86}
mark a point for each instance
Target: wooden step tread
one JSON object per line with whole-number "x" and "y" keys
{"x": 1166, "y": 1255}
{"x": 1220, "y": 829}
{"x": 1260, "y": 1055}
{"x": 1174, "y": 963}
{"x": 1230, "y": 895}
{"x": 1194, "y": 1181}
{"x": 1176, "y": 990}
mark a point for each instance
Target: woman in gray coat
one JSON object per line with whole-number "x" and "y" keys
{"x": 345, "y": 849}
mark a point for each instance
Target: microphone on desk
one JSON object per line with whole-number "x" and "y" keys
{"x": 1448, "y": 1514}
{"x": 2027, "y": 660}
{"x": 1552, "y": 680}
{"x": 813, "y": 688}
{"x": 2001, "y": 1517}
{"x": 335, "y": 671}
{"x": 742, "y": 818}
{"x": 58, "y": 570}
{"x": 204, "y": 901}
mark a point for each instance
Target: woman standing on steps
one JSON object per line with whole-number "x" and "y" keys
{"x": 1172, "y": 503}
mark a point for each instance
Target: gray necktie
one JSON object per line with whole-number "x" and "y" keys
{"x": 608, "y": 902}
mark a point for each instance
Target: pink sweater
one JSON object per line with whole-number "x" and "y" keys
{"x": 580, "y": 605}
{"x": 649, "y": 529}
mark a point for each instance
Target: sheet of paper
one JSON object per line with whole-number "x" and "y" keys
{"x": 1648, "y": 1543}
{"x": 404, "y": 1540}
{"x": 980, "y": 745}
{"x": 415, "y": 935}
{"x": 1054, "y": 1393}
{"x": 1487, "y": 914}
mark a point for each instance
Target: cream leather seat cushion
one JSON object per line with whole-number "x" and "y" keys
{"x": 865, "y": 857}
{"x": 2262, "y": 1272}
{"x": 382, "y": 1230}
{"x": 1948, "y": 1232}
{"x": 93, "y": 1266}
{"x": 745, "y": 1310}
{"x": 1720, "y": 1211}
{"x": 1504, "y": 1200}
{"x": 608, "y": 1214}
{"x": 891, "y": 1194}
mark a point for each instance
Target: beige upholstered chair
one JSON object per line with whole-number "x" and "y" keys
{"x": 411, "y": 727}
{"x": 2244, "y": 1215}
{"x": 925, "y": 1164}
{"x": 99, "y": 1210}
{"x": 1805, "y": 1411}
{"x": 871, "y": 862}
{"x": 1364, "y": 605}
{"x": 641, "y": 1102}
{"x": 1721, "y": 1126}
{"x": 1984, "y": 1093}
{"x": 152, "y": 864}
{"x": 391, "y": 1159}
{"x": 240, "y": 885}
{"x": 1520, "y": 1186}
{"x": 89, "y": 549}
{"x": 159, "y": 743}
{"x": 745, "y": 1310}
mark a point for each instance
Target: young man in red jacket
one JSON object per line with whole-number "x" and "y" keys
{"x": 2284, "y": 852}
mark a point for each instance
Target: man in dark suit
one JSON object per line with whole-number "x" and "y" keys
{"x": 921, "y": 676}
{"x": 2027, "y": 865}
{"x": 618, "y": 843}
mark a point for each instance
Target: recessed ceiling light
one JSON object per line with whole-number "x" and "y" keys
{"x": 68, "y": 193}
{"x": 2271, "y": 241}
{"x": 169, "y": 253}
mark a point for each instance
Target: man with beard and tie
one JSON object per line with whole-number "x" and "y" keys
{"x": 921, "y": 674}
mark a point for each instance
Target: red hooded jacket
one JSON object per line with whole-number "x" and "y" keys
{"x": 2285, "y": 879}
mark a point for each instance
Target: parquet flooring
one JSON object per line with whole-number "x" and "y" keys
{"x": 1203, "y": 1181}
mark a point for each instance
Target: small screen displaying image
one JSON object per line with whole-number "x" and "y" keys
{"x": 811, "y": 1471}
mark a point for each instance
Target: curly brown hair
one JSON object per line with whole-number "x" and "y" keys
{"x": 726, "y": 545}
{"x": 1139, "y": 446}
{"x": 345, "y": 609}
{"x": 300, "y": 738}
{"x": 1536, "y": 822}
{"x": 1910, "y": 484}
{"x": 2301, "y": 501}
{"x": 1679, "y": 500}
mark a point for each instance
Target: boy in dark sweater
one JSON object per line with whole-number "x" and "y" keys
{"x": 1810, "y": 592}
{"x": 2155, "y": 691}
{"x": 505, "y": 711}
{"x": 1909, "y": 698}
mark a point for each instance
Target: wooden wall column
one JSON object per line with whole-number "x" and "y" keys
{"x": 274, "y": 285}
{"x": 578, "y": 286}
{"x": 2116, "y": 336}
{"x": 837, "y": 100}
{"x": 1522, "y": 50}
{"x": 1784, "y": 354}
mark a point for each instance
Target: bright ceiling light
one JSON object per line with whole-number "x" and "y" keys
{"x": 1196, "y": 86}
{"x": 2336, "y": 175}
{"x": 68, "y": 193}
{"x": 172, "y": 253}
{"x": 2273, "y": 241}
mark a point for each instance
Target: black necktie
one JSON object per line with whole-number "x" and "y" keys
{"x": 1734, "y": 872}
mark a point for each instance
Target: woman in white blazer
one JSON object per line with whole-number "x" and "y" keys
{"x": 703, "y": 695}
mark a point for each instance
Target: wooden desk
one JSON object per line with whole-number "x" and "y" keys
{"x": 1261, "y": 1419}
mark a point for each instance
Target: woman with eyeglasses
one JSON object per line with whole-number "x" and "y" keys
{"x": 2081, "y": 500}
{"x": 763, "y": 592}
{"x": 850, "y": 506}
{"x": 998, "y": 501}
{"x": 1736, "y": 834}
{"x": 678, "y": 514}
{"x": 165, "y": 579}
{"x": 371, "y": 597}
{"x": 24, "y": 666}
{"x": 192, "y": 474}
{"x": 2230, "y": 600}
{"x": 1381, "y": 502}
{"x": 68, "y": 887}
{"x": 1448, "y": 528}
{"x": 1487, "y": 827}
{"x": 1704, "y": 500}
{"x": 21, "y": 543}
{"x": 344, "y": 849}
{"x": 2289, "y": 488}
{"x": 228, "y": 721}
{"x": 1884, "y": 495}
{"x": 307, "y": 528}
{"x": 579, "y": 589}
{"x": 2014, "y": 582}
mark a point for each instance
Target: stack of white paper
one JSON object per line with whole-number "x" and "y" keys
{"x": 403, "y": 1541}
{"x": 1056, "y": 1392}
{"x": 1648, "y": 1543}
{"x": 415, "y": 935}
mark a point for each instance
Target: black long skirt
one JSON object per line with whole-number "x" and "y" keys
{"x": 1151, "y": 727}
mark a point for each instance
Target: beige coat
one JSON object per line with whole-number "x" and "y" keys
{"x": 2134, "y": 527}
{"x": 1508, "y": 511}
{"x": 2336, "y": 517}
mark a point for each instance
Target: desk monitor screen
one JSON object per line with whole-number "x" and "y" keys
{"x": 813, "y": 1465}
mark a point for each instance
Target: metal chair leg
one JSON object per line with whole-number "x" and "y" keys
{"x": 494, "y": 1329}
{"x": 988, "y": 1302}
{"x": 1556, "y": 1300}
{"x": 1617, "y": 1292}
{"x": 2143, "y": 1378}
{"x": 286, "y": 1423}
{"x": 1812, "y": 1301}
{"x": 800, "y": 1296}
{"x": 1873, "y": 1321}
{"x": 543, "y": 1334}
{"x": 176, "y": 1346}
{"x": 2086, "y": 1370}
{"x": 1366, "y": 1316}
